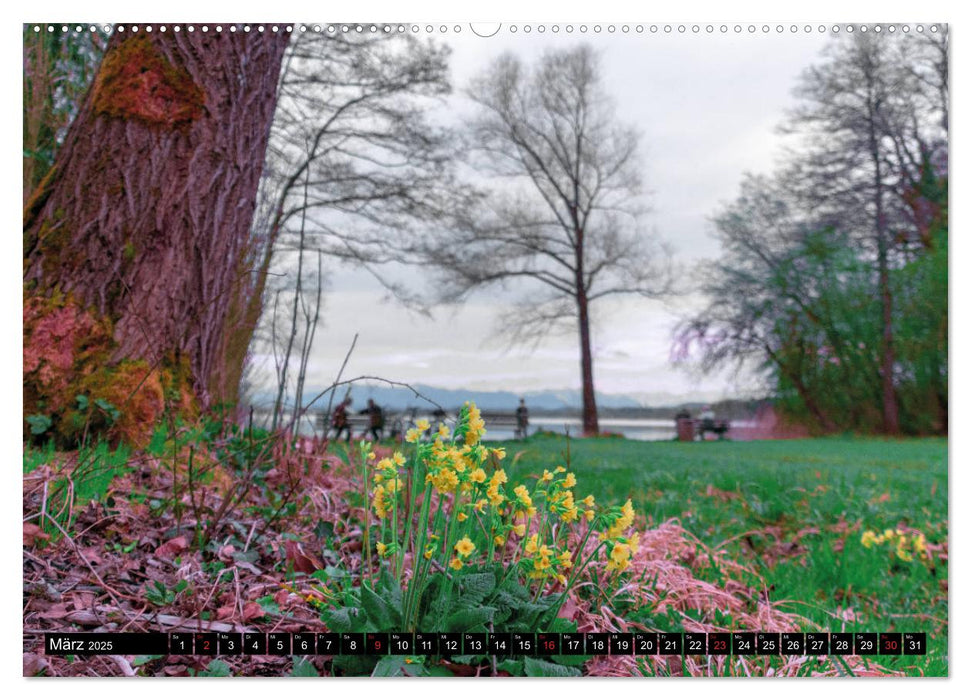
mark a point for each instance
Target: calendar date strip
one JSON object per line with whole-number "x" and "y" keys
{"x": 491, "y": 644}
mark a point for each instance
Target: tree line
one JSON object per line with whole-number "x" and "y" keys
{"x": 832, "y": 280}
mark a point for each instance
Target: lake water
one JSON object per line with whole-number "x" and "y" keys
{"x": 630, "y": 428}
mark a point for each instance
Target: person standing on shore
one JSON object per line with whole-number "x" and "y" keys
{"x": 340, "y": 419}
{"x": 522, "y": 419}
{"x": 375, "y": 419}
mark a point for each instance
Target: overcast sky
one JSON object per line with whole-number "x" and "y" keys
{"x": 707, "y": 107}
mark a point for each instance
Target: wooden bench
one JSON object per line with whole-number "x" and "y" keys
{"x": 690, "y": 429}
{"x": 717, "y": 426}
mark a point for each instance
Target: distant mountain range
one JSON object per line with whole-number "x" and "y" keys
{"x": 562, "y": 400}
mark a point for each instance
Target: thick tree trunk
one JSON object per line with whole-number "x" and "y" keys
{"x": 146, "y": 216}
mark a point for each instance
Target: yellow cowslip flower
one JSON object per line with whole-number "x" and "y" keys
{"x": 442, "y": 430}
{"x": 498, "y": 477}
{"x": 547, "y": 475}
{"x": 623, "y": 522}
{"x": 565, "y": 559}
{"x": 571, "y": 515}
{"x": 480, "y": 504}
{"x": 868, "y": 539}
{"x": 499, "y": 452}
{"x": 531, "y": 543}
{"x": 523, "y": 495}
{"x": 385, "y": 464}
{"x": 413, "y": 435}
{"x": 464, "y": 547}
{"x": 456, "y": 563}
{"x": 634, "y": 542}
{"x": 559, "y": 470}
{"x": 392, "y": 485}
{"x": 399, "y": 459}
{"x": 619, "y": 557}
{"x": 561, "y": 578}
{"x": 499, "y": 540}
{"x": 570, "y": 481}
{"x": 519, "y": 529}
{"x": 380, "y": 507}
{"x": 589, "y": 515}
{"x": 371, "y": 455}
{"x": 887, "y": 534}
{"x": 903, "y": 554}
{"x": 429, "y": 551}
{"x": 475, "y": 426}
{"x": 422, "y": 424}
{"x": 378, "y": 478}
{"x": 382, "y": 548}
{"x": 462, "y": 517}
{"x": 478, "y": 476}
{"x": 444, "y": 481}
{"x": 541, "y": 563}
{"x": 588, "y": 501}
{"x": 919, "y": 543}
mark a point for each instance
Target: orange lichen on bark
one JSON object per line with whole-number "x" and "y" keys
{"x": 69, "y": 377}
{"x": 137, "y": 81}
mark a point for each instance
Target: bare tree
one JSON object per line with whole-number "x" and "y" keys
{"x": 352, "y": 128}
{"x": 565, "y": 210}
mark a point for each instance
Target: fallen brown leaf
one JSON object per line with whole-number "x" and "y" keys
{"x": 173, "y": 547}
{"x": 32, "y": 533}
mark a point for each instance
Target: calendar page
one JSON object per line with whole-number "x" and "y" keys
{"x": 451, "y": 349}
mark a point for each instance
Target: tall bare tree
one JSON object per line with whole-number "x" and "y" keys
{"x": 565, "y": 208}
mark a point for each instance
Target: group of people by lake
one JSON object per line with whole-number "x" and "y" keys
{"x": 341, "y": 423}
{"x": 687, "y": 427}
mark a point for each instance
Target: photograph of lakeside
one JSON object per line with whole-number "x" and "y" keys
{"x": 483, "y": 330}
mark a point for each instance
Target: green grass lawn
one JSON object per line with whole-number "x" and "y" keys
{"x": 750, "y": 497}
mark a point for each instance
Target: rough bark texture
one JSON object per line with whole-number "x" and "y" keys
{"x": 147, "y": 212}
